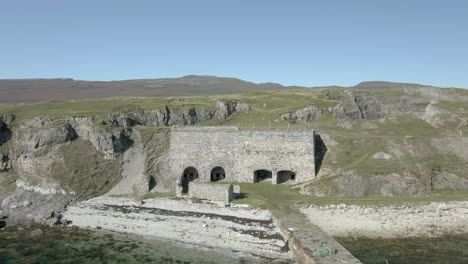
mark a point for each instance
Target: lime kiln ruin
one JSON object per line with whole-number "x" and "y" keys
{"x": 207, "y": 154}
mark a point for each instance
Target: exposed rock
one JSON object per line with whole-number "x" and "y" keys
{"x": 431, "y": 114}
{"x": 382, "y": 155}
{"x": 369, "y": 107}
{"x": 109, "y": 141}
{"x": 346, "y": 112}
{"x": 446, "y": 180}
{"x": 37, "y": 210}
{"x": 5, "y": 162}
{"x": 36, "y": 232}
{"x": 452, "y": 145}
{"x": 7, "y": 119}
{"x": 222, "y": 110}
{"x": 169, "y": 117}
{"x": 358, "y": 107}
{"x": 242, "y": 107}
{"x": 307, "y": 114}
{"x": 40, "y": 135}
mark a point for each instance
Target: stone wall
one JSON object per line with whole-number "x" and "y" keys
{"x": 242, "y": 152}
{"x": 213, "y": 192}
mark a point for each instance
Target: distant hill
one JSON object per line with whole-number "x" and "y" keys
{"x": 38, "y": 90}
{"x": 381, "y": 85}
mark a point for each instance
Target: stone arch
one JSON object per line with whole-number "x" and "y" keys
{"x": 263, "y": 176}
{"x": 286, "y": 176}
{"x": 217, "y": 174}
{"x": 189, "y": 174}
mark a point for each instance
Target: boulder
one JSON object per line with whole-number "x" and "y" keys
{"x": 382, "y": 155}
{"x": 37, "y": 232}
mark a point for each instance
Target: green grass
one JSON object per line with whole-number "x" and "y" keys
{"x": 87, "y": 177}
{"x": 147, "y": 132}
{"x": 92, "y": 107}
{"x": 274, "y": 197}
{"x": 158, "y": 194}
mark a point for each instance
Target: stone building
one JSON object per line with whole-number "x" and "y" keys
{"x": 207, "y": 154}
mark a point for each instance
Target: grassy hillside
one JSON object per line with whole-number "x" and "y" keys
{"x": 418, "y": 165}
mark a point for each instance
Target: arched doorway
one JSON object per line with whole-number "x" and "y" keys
{"x": 262, "y": 176}
{"x": 285, "y": 176}
{"x": 189, "y": 175}
{"x": 217, "y": 174}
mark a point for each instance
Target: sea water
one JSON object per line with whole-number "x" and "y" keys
{"x": 443, "y": 250}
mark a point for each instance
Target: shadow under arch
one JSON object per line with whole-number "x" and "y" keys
{"x": 263, "y": 176}
{"x": 189, "y": 174}
{"x": 217, "y": 174}
{"x": 284, "y": 176}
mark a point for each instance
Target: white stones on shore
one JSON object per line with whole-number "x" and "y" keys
{"x": 235, "y": 228}
{"x": 435, "y": 219}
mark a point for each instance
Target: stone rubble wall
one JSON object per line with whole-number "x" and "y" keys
{"x": 242, "y": 152}
{"x": 213, "y": 192}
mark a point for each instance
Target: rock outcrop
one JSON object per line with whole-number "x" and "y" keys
{"x": 5, "y": 162}
{"x": 307, "y": 114}
{"x": 167, "y": 116}
{"x": 5, "y": 132}
{"x": 107, "y": 139}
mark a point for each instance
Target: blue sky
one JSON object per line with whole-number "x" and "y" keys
{"x": 292, "y": 42}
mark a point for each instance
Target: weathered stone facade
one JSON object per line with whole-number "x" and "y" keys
{"x": 233, "y": 155}
{"x": 213, "y": 192}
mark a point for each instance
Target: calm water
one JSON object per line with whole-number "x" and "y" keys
{"x": 446, "y": 250}
{"x": 67, "y": 245}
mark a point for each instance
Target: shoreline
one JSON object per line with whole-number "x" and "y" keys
{"x": 436, "y": 219}
{"x": 237, "y": 230}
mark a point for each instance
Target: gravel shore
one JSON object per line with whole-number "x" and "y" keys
{"x": 432, "y": 220}
{"x": 237, "y": 228}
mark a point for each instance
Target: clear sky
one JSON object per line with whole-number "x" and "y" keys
{"x": 292, "y": 42}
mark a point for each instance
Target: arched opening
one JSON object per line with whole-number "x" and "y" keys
{"x": 285, "y": 176}
{"x": 263, "y": 176}
{"x": 189, "y": 175}
{"x": 151, "y": 183}
{"x": 217, "y": 174}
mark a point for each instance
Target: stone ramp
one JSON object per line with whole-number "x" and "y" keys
{"x": 309, "y": 243}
